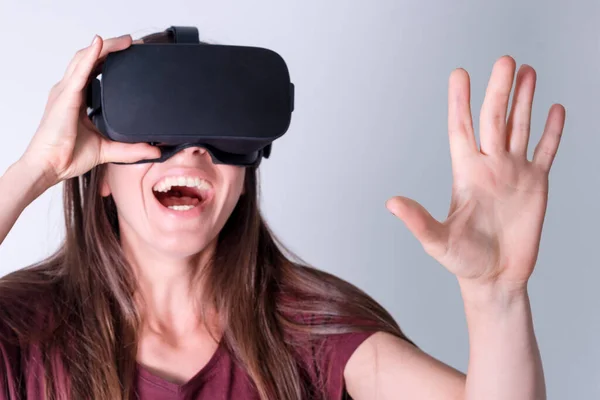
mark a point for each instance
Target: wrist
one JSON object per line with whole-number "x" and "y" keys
{"x": 32, "y": 178}
{"x": 496, "y": 295}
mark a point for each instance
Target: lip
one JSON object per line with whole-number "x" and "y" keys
{"x": 188, "y": 172}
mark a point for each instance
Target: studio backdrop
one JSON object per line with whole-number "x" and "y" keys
{"x": 370, "y": 123}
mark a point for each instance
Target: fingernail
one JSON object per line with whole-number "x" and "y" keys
{"x": 95, "y": 40}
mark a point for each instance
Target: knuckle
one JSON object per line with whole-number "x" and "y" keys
{"x": 58, "y": 86}
{"x": 545, "y": 150}
{"x": 101, "y": 155}
{"x": 67, "y": 101}
{"x": 55, "y": 89}
{"x": 75, "y": 81}
{"x": 497, "y": 120}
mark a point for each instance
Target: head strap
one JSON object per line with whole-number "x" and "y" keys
{"x": 185, "y": 34}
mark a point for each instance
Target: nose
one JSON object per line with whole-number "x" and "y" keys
{"x": 194, "y": 151}
{"x": 190, "y": 154}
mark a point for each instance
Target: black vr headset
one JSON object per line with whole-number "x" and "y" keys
{"x": 233, "y": 101}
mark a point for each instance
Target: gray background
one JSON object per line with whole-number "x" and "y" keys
{"x": 370, "y": 123}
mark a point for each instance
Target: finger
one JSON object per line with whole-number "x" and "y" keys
{"x": 108, "y": 45}
{"x": 519, "y": 121}
{"x": 76, "y": 59}
{"x": 493, "y": 112}
{"x": 427, "y": 230}
{"x": 117, "y": 44}
{"x": 546, "y": 150}
{"x": 81, "y": 74}
{"x": 126, "y": 152}
{"x": 460, "y": 121}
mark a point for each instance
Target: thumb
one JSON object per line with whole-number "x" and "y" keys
{"x": 431, "y": 233}
{"x": 127, "y": 152}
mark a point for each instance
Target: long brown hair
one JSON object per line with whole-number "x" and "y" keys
{"x": 90, "y": 320}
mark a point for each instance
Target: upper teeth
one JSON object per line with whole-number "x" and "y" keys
{"x": 165, "y": 184}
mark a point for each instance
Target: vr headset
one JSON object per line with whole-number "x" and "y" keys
{"x": 234, "y": 101}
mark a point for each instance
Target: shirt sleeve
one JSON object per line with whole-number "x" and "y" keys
{"x": 332, "y": 355}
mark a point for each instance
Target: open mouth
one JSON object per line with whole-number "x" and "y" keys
{"x": 181, "y": 193}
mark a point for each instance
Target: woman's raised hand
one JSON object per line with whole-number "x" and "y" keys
{"x": 499, "y": 197}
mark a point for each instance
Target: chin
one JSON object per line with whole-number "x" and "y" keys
{"x": 179, "y": 246}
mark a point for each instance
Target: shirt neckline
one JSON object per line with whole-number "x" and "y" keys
{"x": 207, "y": 370}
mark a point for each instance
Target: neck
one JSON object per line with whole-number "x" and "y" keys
{"x": 169, "y": 288}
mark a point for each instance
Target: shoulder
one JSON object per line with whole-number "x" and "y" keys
{"x": 22, "y": 369}
{"x": 327, "y": 320}
{"x": 323, "y": 346}
{"x": 11, "y": 357}
{"x": 335, "y": 350}
{"x": 25, "y": 309}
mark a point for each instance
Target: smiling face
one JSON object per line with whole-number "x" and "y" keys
{"x": 176, "y": 208}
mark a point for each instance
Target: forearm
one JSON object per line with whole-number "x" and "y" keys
{"x": 20, "y": 185}
{"x": 504, "y": 358}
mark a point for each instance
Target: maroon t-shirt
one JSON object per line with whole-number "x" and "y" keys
{"x": 221, "y": 379}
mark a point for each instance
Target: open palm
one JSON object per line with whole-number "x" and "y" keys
{"x": 499, "y": 197}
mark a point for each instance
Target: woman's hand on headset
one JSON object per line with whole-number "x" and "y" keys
{"x": 67, "y": 144}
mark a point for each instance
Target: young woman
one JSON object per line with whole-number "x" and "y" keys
{"x": 146, "y": 301}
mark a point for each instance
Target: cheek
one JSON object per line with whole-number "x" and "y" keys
{"x": 124, "y": 183}
{"x": 234, "y": 176}
{"x": 232, "y": 187}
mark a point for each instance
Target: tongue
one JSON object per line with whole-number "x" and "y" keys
{"x": 178, "y": 196}
{"x": 179, "y": 201}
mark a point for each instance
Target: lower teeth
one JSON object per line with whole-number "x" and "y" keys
{"x": 181, "y": 208}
